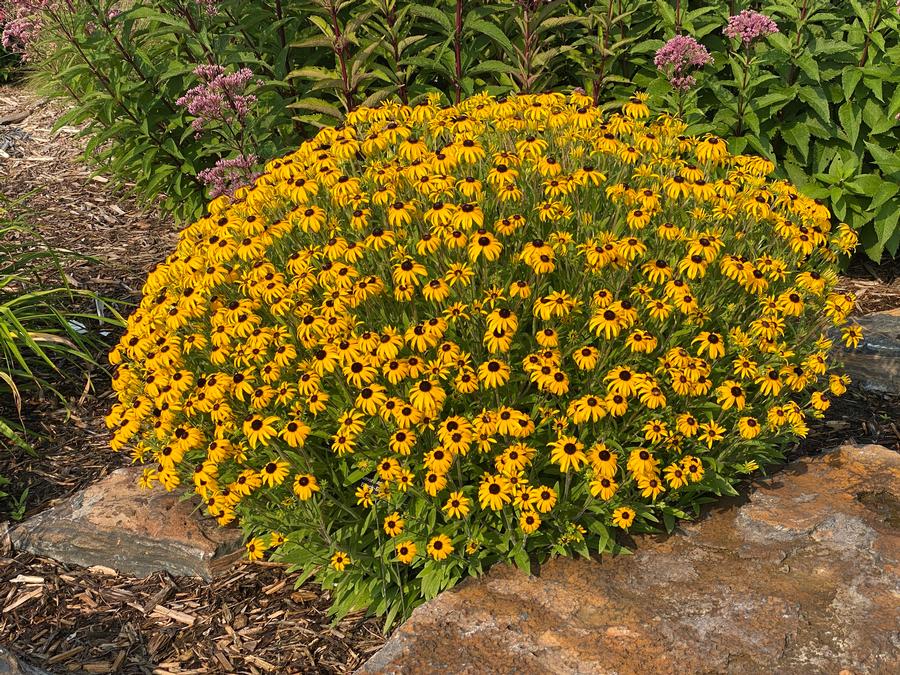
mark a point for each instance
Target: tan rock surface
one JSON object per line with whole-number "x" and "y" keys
{"x": 116, "y": 524}
{"x": 802, "y": 578}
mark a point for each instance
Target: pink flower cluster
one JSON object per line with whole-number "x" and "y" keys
{"x": 21, "y": 24}
{"x": 749, "y": 26}
{"x": 211, "y": 7}
{"x": 220, "y": 97}
{"x": 678, "y": 57}
{"x": 227, "y": 175}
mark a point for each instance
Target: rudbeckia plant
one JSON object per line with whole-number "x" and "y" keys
{"x": 434, "y": 339}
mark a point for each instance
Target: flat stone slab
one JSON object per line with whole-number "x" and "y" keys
{"x": 116, "y": 524}
{"x": 875, "y": 365}
{"x": 802, "y": 578}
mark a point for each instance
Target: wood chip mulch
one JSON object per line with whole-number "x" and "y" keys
{"x": 68, "y": 619}
{"x": 113, "y": 243}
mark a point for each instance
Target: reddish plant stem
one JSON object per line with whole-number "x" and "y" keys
{"x": 339, "y": 48}
{"x": 794, "y": 71}
{"x": 873, "y": 24}
{"x": 601, "y": 73}
{"x": 457, "y": 48}
{"x": 391, "y": 20}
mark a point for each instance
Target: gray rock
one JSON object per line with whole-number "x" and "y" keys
{"x": 875, "y": 364}
{"x": 116, "y": 524}
{"x": 10, "y": 664}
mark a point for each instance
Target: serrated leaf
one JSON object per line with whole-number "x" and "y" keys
{"x": 850, "y": 121}
{"x": 815, "y": 98}
{"x": 493, "y": 32}
{"x": 433, "y": 14}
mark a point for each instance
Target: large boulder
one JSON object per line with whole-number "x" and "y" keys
{"x": 115, "y": 524}
{"x": 801, "y": 578}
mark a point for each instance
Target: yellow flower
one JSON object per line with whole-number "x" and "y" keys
{"x": 529, "y": 522}
{"x": 256, "y": 549}
{"x": 623, "y": 517}
{"x": 440, "y": 547}
{"x": 340, "y": 560}
{"x": 393, "y": 524}
{"x": 305, "y": 484}
{"x": 457, "y": 505}
{"x": 274, "y": 473}
{"x": 568, "y": 453}
{"x": 406, "y": 552}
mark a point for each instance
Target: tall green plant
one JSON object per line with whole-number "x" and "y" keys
{"x": 820, "y": 97}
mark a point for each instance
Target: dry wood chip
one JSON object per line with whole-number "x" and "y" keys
{"x": 256, "y": 661}
{"x": 25, "y": 579}
{"x": 175, "y": 615}
{"x": 62, "y": 656}
{"x": 22, "y": 599}
{"x": 101, "y": 569}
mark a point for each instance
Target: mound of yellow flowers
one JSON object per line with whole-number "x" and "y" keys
{"x": 436, "y": 338}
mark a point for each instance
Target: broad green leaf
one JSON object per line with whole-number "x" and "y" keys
{"x": 850, "y": 120}
{"x": 493, "y": 32}
{"x": 433, "y": 14}
{"x": 814, "y": 97}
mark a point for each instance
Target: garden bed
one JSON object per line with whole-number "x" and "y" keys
{"x": 251, "y": 620}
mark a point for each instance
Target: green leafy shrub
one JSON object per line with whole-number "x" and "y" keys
{"x": 437, "y": 338}
{"x": 819, "y": 97}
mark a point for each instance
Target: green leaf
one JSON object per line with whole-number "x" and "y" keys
{"x": 887, "y": 161}
{"x": 797, "y": 135}
{"x": 850, "y": 77}
{"x": 885, "y": 191}
{"x": 493, "y": 32}
{"x": 850, "y": 121}
{"x": 433, "y": 14}
{"x": 809, "y": 66}
{"x": 814, "y": 97}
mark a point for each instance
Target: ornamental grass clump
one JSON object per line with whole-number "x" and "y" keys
{"x": 438, "y": 338}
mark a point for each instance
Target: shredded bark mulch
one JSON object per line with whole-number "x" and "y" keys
{"x": 877, "y": 287}
{"x": 107, "y": 244}
{"x": 68, "y": 619}
{"x": 856, "y": 417}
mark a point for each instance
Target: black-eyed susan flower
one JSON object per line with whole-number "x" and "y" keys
{"x": 256, "y": 549}
{"x": 440, "y": 547}
{"x": 394, "y": 524}
{"x": 406, "y": 551}
{"x": 623, "y": 517}
{"x": 568, "y": 453}
{"x": 340, "y": 560}
{"x": 305, "y": 485}
{"x": 457, "y": 505}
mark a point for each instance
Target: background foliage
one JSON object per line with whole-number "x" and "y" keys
{"x": 820, "y": 97}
